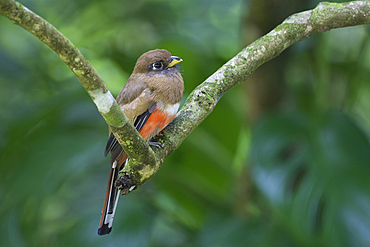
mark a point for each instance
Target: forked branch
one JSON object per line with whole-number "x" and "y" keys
{"x": 145, "y": 162}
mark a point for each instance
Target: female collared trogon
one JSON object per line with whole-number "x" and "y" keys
{"x": 150, "y": 100}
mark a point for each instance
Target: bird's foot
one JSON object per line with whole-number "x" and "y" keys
{"x": 156, "y": 144}
{"x": 125, "y": 184}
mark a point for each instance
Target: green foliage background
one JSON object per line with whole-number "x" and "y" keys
{"x": 294, "y": 172}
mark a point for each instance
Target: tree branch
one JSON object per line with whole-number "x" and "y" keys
{"x": 145, "y": 162}
{"x": 135, "y": 146}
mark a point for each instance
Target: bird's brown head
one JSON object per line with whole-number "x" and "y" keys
{"x": 156, "y": 71}
{"x": 155, "y": 61}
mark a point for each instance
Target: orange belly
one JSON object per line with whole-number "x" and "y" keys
{"x": 156, "y": 122}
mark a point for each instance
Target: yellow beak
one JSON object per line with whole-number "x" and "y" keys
{"x": 175, "y": 60}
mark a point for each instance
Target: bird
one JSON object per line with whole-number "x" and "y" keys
{"x": 150, "y": 99}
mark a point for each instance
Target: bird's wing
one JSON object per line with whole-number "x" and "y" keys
{"x": 113, "y": 145}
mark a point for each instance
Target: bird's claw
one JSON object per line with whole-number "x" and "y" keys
{"x": 125, "y": 184}
{"x": 156, "y": 144}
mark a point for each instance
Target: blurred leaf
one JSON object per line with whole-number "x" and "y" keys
{"x": 313, "y": 171}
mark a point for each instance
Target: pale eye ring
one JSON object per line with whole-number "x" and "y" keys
{"x": 157, "y": 65}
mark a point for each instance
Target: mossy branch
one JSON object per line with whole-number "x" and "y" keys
{"x": 135, "y": 146}
{"x": 145, "y": 162}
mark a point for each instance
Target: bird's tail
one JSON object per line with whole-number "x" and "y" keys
{"x": 110, "y": 202}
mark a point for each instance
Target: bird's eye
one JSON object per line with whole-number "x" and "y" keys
{"x": 157, "y": 65}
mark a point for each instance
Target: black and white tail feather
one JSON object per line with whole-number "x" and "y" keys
{"x": 112, "y": 193}
{"x": 112, "y": 201}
